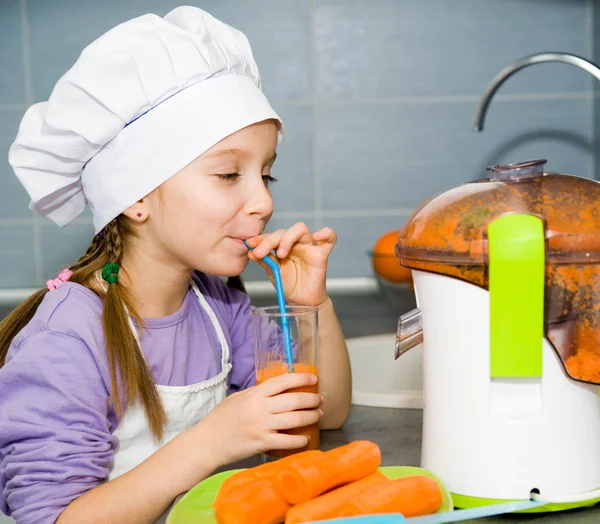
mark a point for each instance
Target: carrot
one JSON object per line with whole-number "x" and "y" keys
{"x": 411, "y": 496}
{"x": 327, "y": 506}
{"x": 258, "y": 502}
{"x": 262, "y": 471}
{"x": 304, "y": 481}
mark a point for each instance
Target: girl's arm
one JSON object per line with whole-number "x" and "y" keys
{"x": 241, "y": 426}
{"x": 333, "y": 362}
{"x": 56, "y": 446}
{"x": 145, "y": 493}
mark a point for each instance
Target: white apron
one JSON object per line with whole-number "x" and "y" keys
{"x": 184, "y": 407}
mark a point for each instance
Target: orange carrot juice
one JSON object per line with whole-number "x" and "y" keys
{"x": 278, "y": 368}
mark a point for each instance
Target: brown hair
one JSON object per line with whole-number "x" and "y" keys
{"x": 130, "y": 375}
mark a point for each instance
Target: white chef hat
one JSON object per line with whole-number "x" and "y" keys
{"x": 141, "y": 102}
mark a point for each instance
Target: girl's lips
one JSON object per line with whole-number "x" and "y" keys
{"x": 245, "y": 237}
{"x": 240, "y": 241}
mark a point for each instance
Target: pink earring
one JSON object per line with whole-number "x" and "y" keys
{"x": 139, "y": 215}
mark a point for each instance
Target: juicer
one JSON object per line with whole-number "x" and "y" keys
{"x": 506, "y": 274}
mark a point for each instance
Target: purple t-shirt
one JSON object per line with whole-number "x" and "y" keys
{"x": 56, "y": 428}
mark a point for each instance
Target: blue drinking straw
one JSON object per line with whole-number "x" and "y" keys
{"x": 282, "y": 309}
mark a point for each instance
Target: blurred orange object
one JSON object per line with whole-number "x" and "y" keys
{"x": 384, "y": 260}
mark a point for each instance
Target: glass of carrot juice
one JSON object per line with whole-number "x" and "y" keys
{"x": 272, "y": 356}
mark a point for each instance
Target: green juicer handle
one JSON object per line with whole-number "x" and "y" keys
{"x": 516, "y": 248}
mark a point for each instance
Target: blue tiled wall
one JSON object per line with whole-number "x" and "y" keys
{"x": 378, "y": 98}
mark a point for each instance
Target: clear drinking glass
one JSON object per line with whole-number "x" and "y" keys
{"x": 270, "y": 357}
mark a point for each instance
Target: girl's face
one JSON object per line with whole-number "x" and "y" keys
{"x": 199, "y": 218}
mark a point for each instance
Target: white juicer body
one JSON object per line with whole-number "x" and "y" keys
{"x": 498, "y": 438}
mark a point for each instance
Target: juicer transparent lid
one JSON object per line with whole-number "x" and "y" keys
{"x": 448, "y": 233}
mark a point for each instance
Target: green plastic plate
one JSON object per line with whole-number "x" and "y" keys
{"x": 195, "y": 507}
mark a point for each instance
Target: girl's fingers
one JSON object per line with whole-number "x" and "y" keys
{"x": 298, "y": 234}
{"x": 282, "y": 240}
{"x": 267, "y": 243}
{"x": 294, "y": 401}
{"x": 295, "y": 419}
{"x": 280, "y": 383}
{"x": 326, "y": 235}
{"x": 326, "y": 238}
{"x": 282, "y": 441}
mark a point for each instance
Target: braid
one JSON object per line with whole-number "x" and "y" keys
{"x": 128, "y": 367}
{"x": 92, "y": 254}
{"x": 113, "y": 242}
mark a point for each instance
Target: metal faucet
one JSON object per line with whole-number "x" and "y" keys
{"x": 539, "y": 58}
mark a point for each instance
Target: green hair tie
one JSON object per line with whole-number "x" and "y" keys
{"x": 110, "y": 272}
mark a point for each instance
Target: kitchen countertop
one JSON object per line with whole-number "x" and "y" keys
{"x": 398, "y": 434}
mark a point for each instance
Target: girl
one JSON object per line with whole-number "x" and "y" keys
{"x": 115, "y": 377}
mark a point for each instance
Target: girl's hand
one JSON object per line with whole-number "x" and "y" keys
{"x": 247, "y": 423}
{"x": 302, "y": 257}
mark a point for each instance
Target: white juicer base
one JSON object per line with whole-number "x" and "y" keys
{"x": 498, "y": 438}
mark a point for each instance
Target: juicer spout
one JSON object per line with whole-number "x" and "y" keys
{"x": 526, "y": 61}
{"x": 410, "y": 332}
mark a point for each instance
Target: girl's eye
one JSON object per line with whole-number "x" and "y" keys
{"x": 229, "y": 177}
{"x": 268, "y": 180}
